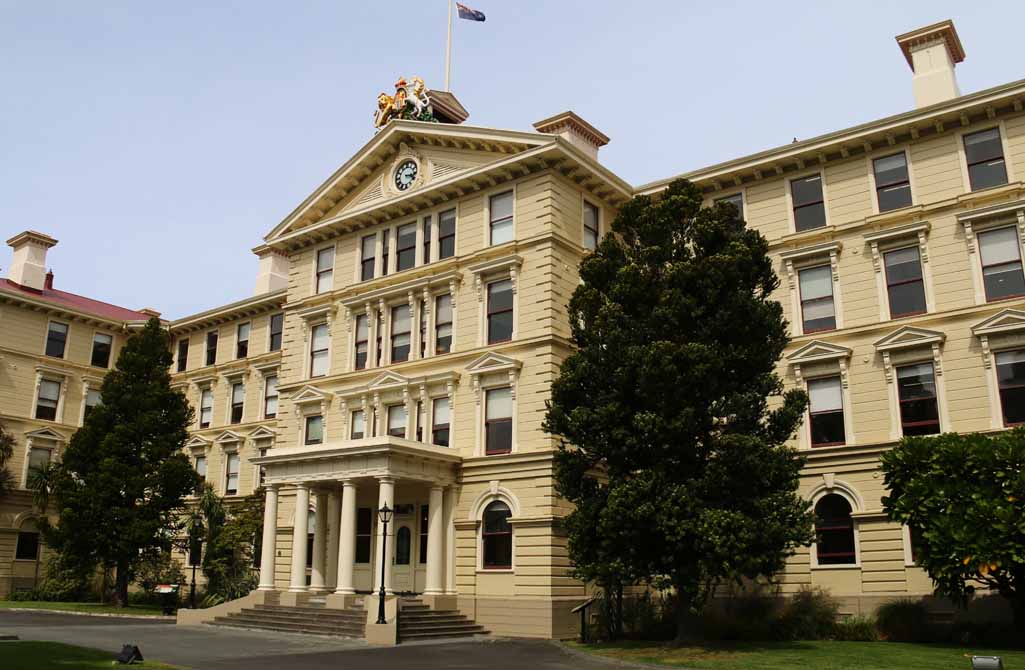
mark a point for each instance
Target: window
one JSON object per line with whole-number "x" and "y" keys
{"x": 400, "y": 333}
{"x": 817, "y": 309}
{"x": 46, "y": 402}
{"x": 362, "y": 340}
{"x": 359, "y": 428}
{"x": 231, "y": 475}
{"x": 915, "y": 542}
{"x": 364, "y": 533}
{"x": 1011, "y": 382}
{"x": 28, "y": 547}
{"x": 238, "y": 399}
{"x": 397, "y": 416}
{"x": 325, "y": 269}
{"x": 826, "y": 412}
{"x": 423, "y": 327}
{"x": 500, "y": 311}
{"x": 498, "y": 421}
{"x": 809, "y": 207}
{"x": 384, "y": 252}
{"x": 56, "y": 339}
{"x": 102, "y": 344}
{"x": 591, "y": 215}
{"x": 916, "y": 390}
{"x": 92, "y": 399}
{"x": 367, "y": 249}
{"x": 737, "y": 200}
{"x": 419, "y": 421}
{"x": 262, "y": 480}
{"x": 270, "y": 397}
{"x": 277, "y": 326}
{"x": 893, "y": 189}
{"x": 242, "y": 340}
{"x": 201, "y": 468}
{"x": 311, "y": 529}
{"x": 443, "y": 324}
{"x": 496, "y": 536}
{"x": 206, "y": 408}
{"x": 501, "y": 209}
{"x": 314, "y": 429}
{"x": 440, "y": 417}
{"x": 211, "y": 347}
{"x": 904, "y": 286}
{"x": 984, "y": 154}
{"x": 37, "y": 459}
{"x": 380, "y": 329}
{"x": 319, "y": 344}
{"x": 424, "y": 527}
{"x": 405, "y": 247}
{"x": 834, "y": 530}
{"x": 183, "y": 354}
{"x": 1000, "y": 252}
{"x": 403, "y": 540}
{"x": 447, "y": 234}
{"x": 427, "y": 238}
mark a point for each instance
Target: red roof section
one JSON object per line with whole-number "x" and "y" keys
{"x": 73, "y": 302}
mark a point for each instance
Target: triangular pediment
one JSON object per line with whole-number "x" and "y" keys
{"x": 262, "y": 433}
{"x": 228, "y": 436}
{"x": 816, "y": 351}
{"x": 440, "y": 151}
{"x": 387, "y": 380}
{"x": 492, "y": 362}
{"x": 46, "y": 434}
{"x": 197, "y": 442}
{"x": 1004, "y": 321}
{"x": 909, "y": 336}
{"x": 308, "y": 394}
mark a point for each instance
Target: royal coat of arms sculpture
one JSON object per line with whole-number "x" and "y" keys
{"x": 409, "y": 102}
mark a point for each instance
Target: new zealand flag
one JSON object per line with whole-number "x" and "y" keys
{"x": 469, "y": 14}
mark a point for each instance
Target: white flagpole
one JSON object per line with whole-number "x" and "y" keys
{"x": 448, "y": 49}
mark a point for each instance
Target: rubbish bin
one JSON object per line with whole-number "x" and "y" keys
{"x": 168, "y": 598}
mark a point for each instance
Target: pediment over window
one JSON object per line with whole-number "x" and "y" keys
{"x": 909, "y": 336}
{"x": 262, "y": 433}
{"x": 492, "y": 362}
{"x": 818, "y": 351}
{"x": 45, "y": 434}
{"x": 387, "y": 380}
{"x": 197, "y": 442}
{"x": 228, "y": 437}
{"x": 1004, "y": 321}
{"x": 310, "y": 394}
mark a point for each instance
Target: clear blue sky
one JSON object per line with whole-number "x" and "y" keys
{"x": 159, "y": 141}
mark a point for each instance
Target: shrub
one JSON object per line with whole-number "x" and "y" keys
{"x": 856, "y": 629}
{"x": 904, "y": 620}
{"x": 747, "y": 616}
{"x": 810, "y": 614}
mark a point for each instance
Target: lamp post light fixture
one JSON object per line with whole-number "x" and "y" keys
{"x": 384, "y": 514}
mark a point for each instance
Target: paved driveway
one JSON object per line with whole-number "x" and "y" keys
{"x": 209, "y": 648}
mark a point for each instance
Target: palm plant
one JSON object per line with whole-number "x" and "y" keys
{"x": 6, "y": 452}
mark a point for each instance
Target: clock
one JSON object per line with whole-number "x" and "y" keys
{"x": 405, "y": 174}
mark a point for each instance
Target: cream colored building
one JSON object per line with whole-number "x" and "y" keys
{"x": 410, "y": 316}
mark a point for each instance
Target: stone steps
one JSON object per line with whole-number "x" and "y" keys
{"x": 419, "y": 622}
{"x": 309, "y": 619}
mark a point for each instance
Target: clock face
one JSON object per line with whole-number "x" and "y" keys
{"x": 405, "y": 175}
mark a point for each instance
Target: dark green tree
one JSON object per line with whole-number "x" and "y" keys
{"x": 6, "y": 452}
{"x": 121, "y": 482}
{"x": 963, "y": 497}
{"x": 671, "y": 451}
{"x": 229, "y": 544}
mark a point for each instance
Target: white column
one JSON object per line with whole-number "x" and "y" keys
{"x": 385, "y": 496}
{"x": 435, "y": 544}
{"x": 448, "y": 521}
{"x": 302, "y": 515}
{"x": 318, "y": 576}
{"x": 270, "y": 535}
{"x": 347, "y": 540}
{"x": 334, "y": 505}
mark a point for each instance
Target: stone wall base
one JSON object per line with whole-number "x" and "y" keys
{"x": 511, "y": 616}
{"x": 187, "y": 617}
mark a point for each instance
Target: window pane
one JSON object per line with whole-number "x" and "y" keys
{"x": 916, "y": 389}
{"x": 501, "y": 218}
{"x": 402, "y": 546}
{"x": 183, "y": 354}
{"x": 890, "y": 170}
{"x": 499, "y": 404}
{"x": 834, "y": 528}
{"x": 825, "y": 394}
{"x": 590, "y": 226}
{"x": 92, "y": 398}
{"x": 907, "y": 299}
{"x": 211, "y": 348}
{"x": 400, "y": 321}
{"x": 56, "y": 338}
{"x": 902, "y": 265}
{"x": 807, "y": 190}
{"x": 406, "y": 244}
{"x": 358, "y": 426}
{"x": 983, "y": 146}
{"x": 325, "y": 259}
{"x": 101, "y": 350}
{"x": 1011, "y": 380}
{"x": 999, "y": 246}
{"x": 270, "y": 408}
{"x": 314, "y": 429}
{"x": 28, "y": 547}
{"x": 277, "y": 323}
{"x": 988, "y": 174}
{"x": 397, "y": 420}
{"x": 816, "y": 282}
{"x": 38, "y": 458}
{"x": 440, "y": 412}
{"x": 894, "y": 197}
{"x": 201, "y": 466}
{"x": 1003, "y": 281}
{"x": 496, "y": 518}
{"x": 447, "y": 233}
{"x": 737, "y": 200}
{"x": 238, "y": 393}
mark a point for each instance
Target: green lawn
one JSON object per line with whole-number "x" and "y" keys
{"x": 57, "y": 656}
{"x": 789, "y": 655}
{"x": 96, "y": 608}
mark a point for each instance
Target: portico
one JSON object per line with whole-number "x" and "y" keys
{"x": 343, "y": 484}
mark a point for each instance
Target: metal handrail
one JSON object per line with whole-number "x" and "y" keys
{"x": 582, "y": 608}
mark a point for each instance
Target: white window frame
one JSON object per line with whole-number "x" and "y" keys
{"x": 232, "y": 381}
{"x": 188, "y": 352}
{"x": 895, "y": 239}
{"x": 789, "y": 195}
{"x": 309, "y": 349}
{"x": 67, "y": 339}
{"x": 885, "y": 152}
{"x": 305, "y": 416}
{"x": 584, "y": 202}
{"x": 962, "y": 155}
{"x": 228, "y": 453}
{"x": 807, "y": 258}
{"x": 206, "y": 346}
{"x": 238, "y": 326}
{"x": 44, "y": 373}
{"x": 911, "y": 346}
{"x": 854, "y": 500}
{"x": 92, "y": 347}
{"x": 271, "y": 374}
{"x": 31, "y": 444}
{"x": 985, "y": 220}
{"x": 500, "y": 494}
{"x": 202, "y": 388}
{"x": 507, "y": 267}
{"x": 486, "y": 207}
{"x": 316, "y": 259}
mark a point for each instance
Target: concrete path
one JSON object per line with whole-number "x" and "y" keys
{"x": 210, "y": 648}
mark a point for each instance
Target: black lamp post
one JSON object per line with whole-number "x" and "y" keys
{"x": 384, "y": 514}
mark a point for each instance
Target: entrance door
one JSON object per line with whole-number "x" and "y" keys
{"x": 402, "y": 570}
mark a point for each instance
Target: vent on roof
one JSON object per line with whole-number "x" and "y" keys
{"x": 441, "y": 170}
{"x": 371, "y": 194}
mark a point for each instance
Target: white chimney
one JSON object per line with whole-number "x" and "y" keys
{"x": 273, "y": 272}
{"x": 933, "y": 52}
{"x": 28, "y": 267}
{"x": 580, "y": 133}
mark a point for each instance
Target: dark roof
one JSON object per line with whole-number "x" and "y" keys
{"x": 73, "y": 302}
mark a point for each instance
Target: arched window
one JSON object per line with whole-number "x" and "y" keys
{"x": 834, "y": 529}
{"x": 402, "y": 545}
{"x": 496, "y": 536}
